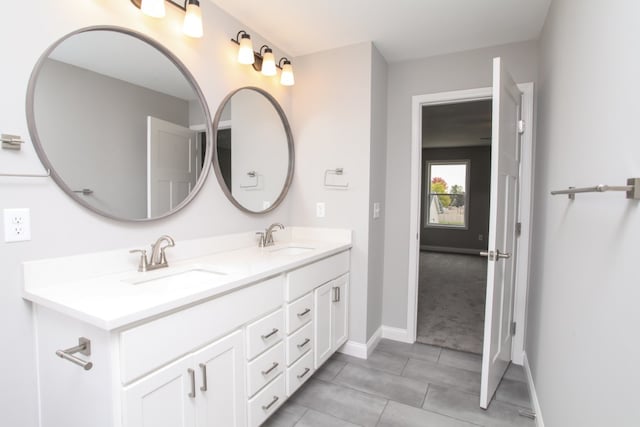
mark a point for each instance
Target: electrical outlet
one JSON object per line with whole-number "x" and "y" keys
{"x": 376, "y": 210}
{"x": 480, "y": 237}
{"x": 17, "y": 225}
{"x": 320, "y": 209}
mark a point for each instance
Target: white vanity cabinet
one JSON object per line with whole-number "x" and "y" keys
{"x": 201, "y": 389}
{"x": 230, "y": 359}
{"x": 331, "y": 302}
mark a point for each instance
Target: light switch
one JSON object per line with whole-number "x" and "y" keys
{"x": 376, "y": 210}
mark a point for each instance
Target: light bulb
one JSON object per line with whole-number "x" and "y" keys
{"x": 192, "y": 26}
{"x": 286, "y": 78}
{"x": 245, "y": 53}
{"x": 153, "y": 8}
{"x": 268, "y": 63}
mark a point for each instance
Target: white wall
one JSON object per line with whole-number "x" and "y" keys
{"x": 331, "y": 128}
{"x": 458, "y": 71}
{"x": 59, "y": 226}
{"x": 582, "y": 330}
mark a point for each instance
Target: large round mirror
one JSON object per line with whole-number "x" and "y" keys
{"x": 254, "y": 148}
{"x": 120, "y": 122}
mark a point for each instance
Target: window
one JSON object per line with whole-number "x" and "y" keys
{"x": 446, "y": 194}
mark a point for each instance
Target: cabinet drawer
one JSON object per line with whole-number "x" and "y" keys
{"x": 264, "y": 333}
{"x": 299, "y": 373}
{"x": 299, "y": 343}
{"x": 299, "y": 312}
{"x": 153, "y": 344}
{"x": 267, "y": 401}
{"x": 265, "y": 368}
{"x": 309, "y": 277}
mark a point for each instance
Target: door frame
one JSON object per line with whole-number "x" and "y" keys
{"x": 524, "y": 205}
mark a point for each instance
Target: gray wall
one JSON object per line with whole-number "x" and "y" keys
{"x": 464, "y": 70}
{"x": 104, "y": 147}
{"x": 583, "y": 316}
{"x": 332, "y": 125}
{"x": 59, "y": 226}
{"x": 377, "y": 176}
{"x": 479, "y": 191}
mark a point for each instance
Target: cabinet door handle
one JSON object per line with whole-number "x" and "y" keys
{"x": 305, "y": 342}
{"x": 305, "y": 312}
{"x": 268, "y": 371}
{"x": 192, "y": 376}
{"x": 339, "y": 294}
{"x": 203, "y": 367}
{"x": 301, "y": 376}
{"x": 273, "y": 402}
{"x": 336, "y": 294}
{"x": 270, "y": 334}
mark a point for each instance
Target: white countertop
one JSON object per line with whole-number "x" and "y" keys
{"x": 110, "y": 301}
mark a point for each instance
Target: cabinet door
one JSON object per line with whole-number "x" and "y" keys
{"x": 220, "y": 383}
{"x": 322, "y": 323}
{"x": 162, "y": 399}
{"x": 339, "y": 311}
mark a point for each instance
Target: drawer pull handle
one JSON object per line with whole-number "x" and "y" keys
{"x": 270, "y": 334}
{"x": 268, "y": 371}
{"x": 192, "y": 376}
{"x": 305, "y": 342}
{"x": 203, "y": 367}
{"x": 336, "y": 294}
{"x": 306, "y": 371}
{"x": 273, "y": 402}
{"x": 305, "y": 312}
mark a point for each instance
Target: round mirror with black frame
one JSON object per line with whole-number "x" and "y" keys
{"x": 254, "y": 150}
{"x": 120, "y": 122}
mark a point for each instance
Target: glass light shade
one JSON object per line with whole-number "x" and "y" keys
{"x": 192, "y": 26}
{"x": 153, "y": 8}
{"x": 268, "y": 63}
{"x": 245, "y": 53}
{"x": 286, "y": 78}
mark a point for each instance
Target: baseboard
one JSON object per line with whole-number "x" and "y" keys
{"x": 532, "y": 392}
{"x": 359, "y": 350}
{"x": 448, "y": 249}
{"x": 396, "y": 334}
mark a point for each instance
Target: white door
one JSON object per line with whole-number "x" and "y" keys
{"x": 322, "y": 323}
{"x": 496, "y": 353}
{"x": 339, "y": 318}
{"x": 220, "y": 383}
{"x": 162, "y": 399}
{"x": 171, "y": 165}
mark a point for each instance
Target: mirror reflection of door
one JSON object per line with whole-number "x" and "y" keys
{"x": 172, "y": 165}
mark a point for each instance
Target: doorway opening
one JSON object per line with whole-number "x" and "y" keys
{"x": 454, "y": 223}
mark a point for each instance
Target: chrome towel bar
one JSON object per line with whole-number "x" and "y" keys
{"x": 83, "y": 347}
{"x": 632, "y": 189}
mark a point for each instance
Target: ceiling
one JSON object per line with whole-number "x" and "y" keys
{"x": 465, "y": 124}
{"x": 401, "y": 29}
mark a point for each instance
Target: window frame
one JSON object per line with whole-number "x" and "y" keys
{"x": 427, "y": 185}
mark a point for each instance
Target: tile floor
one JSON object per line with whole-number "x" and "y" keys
{"x": 404, "y": 385}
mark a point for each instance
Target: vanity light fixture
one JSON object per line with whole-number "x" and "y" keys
{"x": 263, "y": 61}
{"x": 268, "y": 61}
{"x": 286, "y": 78}
{"x": 245, "y": 52}
{"x": 192, "y": 25}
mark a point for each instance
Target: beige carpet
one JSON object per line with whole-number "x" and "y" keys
{"x": 451, "y": 300}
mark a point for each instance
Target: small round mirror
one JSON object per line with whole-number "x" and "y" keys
{"x": 254, "y": 150}
{"x": 120, "y": 122}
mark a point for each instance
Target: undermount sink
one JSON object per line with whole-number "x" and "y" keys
{"x": 194, "y": 275}
{"x": 290, "y": 250}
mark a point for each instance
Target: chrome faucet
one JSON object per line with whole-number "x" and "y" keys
{"x": 158, "y": 256}
{"x": 266, "y": 237}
